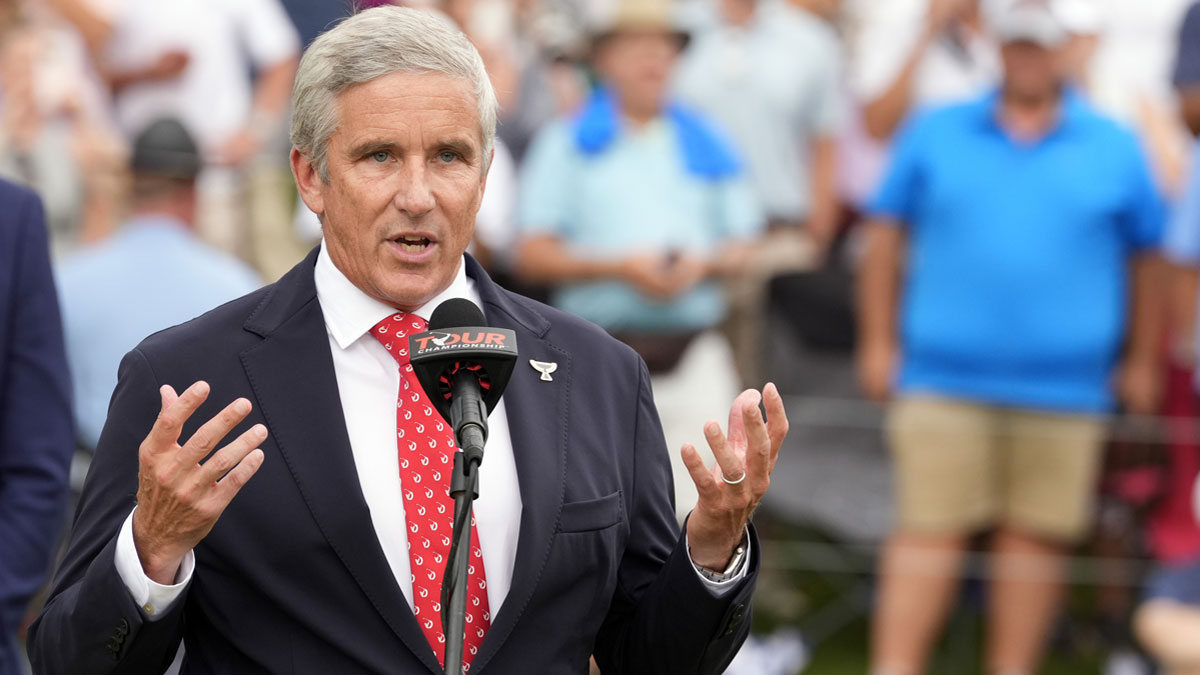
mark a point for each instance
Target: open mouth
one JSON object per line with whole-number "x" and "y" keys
{"x": 412, "y": 243}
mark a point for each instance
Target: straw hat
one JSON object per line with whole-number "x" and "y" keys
{"x": 620, "y": 16}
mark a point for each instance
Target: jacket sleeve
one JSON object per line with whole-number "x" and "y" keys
{"x": 36, "y": 432}
{"x": 91, "y": 624}
{"x": 663, "y": 619}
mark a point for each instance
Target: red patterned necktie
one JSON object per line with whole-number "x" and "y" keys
{"x": 426, "y": 447}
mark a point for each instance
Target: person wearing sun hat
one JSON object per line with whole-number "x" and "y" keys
{"x": 1010, "y": 278}
{"x": 634, "y": 209}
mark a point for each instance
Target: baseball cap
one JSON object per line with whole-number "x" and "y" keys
{"x": 166, "y": 148}
{"x": 1037, "y": 21}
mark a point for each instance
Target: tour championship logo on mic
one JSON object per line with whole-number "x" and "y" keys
{"x": 474, "y": 340}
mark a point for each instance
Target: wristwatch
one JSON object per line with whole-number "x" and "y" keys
{"x": 731, "y": 571}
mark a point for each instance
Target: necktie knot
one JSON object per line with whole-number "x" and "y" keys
{"x": 393, "y": 331}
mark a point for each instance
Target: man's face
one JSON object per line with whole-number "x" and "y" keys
{"x": 637, "y": 65}
{"x": 1031, "y": 70}
{"x": 405, "y": 182}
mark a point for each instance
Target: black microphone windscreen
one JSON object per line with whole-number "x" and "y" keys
{"x": 456, "y": 313}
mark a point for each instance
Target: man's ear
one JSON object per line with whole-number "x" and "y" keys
{"x": 308, "y": 182}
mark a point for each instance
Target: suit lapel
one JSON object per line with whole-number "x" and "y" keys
{"x": 291, "y": 372}
{"x": 537, "y": 422}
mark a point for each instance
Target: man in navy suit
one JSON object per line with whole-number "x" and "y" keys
{"x": 294, "y": 548}
{"x": 36, "y": 434}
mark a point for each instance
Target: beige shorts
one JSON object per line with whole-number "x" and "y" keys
{"x": 962, "y": 467}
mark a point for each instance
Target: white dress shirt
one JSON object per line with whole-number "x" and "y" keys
{"x": 368, "y": 382}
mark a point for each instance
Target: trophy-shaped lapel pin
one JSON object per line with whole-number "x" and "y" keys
{"x": 545, "y": 368}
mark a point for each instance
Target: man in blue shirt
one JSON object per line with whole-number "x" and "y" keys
{"x": 635, "y": 209}
{"x": 1010, "y": 259}
{"x": 153, "y": 273}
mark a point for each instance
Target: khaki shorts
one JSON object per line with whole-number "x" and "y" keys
{"x": 962, "y": 467}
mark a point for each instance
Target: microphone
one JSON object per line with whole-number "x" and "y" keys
{"x": 463, "y": 365}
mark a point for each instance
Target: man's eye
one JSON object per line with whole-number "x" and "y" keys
{"x": 379, "y": 156}
{"x": 447, "y": 156}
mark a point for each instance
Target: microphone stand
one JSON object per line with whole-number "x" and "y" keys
{"x": 471, "y": 434}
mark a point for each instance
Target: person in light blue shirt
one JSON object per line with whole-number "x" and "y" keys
{"x": 633, "y": 210}
{"x": 1010, "y": 278}
{"x": 152, "y": 273}
{"x": 768, "y": 73}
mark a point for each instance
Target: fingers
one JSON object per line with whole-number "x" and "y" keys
{"x": 737, "y": 423}
{"x": 706, "y": 485}
{"x": 777, "y": 421}
{"x": 174, "y": 413}
{"x": 236, "y": 479}
{"x": 758, "y": 443}
{"x": 207, "y": 436}
{"x": 730, "y": 465}
{"x": 229, "y": 456}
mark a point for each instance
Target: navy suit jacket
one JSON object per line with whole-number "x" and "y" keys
{"x": 292, "y": 578}
{"x": 36, "y": 430}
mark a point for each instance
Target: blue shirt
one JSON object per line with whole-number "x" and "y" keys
{"x": 152, "y": 274}
{"x": 637, "y": 196}
{"x": 1018, "y": 254}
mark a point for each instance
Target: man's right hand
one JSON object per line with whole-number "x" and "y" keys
{"x": 876, "y": 369}
{"x": 179, "y": 499}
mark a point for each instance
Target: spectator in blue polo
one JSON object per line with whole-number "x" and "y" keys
{"x": 633, "y": 209}
{"x": 1010, "y": 279}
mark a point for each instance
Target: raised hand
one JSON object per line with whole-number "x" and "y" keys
{"x": 179, "y": 499}
{"x": 731, "y": 489}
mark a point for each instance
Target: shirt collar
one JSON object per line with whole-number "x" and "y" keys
{"x": 350, "y": 313}
{"x": 1071, "y": 108}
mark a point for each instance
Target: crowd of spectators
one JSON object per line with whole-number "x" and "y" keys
{"x": 1012, "y": 181}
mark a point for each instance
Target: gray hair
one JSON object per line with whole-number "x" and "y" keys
{"x": 371, "y": 44}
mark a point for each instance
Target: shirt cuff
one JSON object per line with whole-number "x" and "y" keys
{"x": 721, "y": 588}
{"x": 154, "y": 598}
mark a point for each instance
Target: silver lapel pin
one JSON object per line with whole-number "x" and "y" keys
{"x": 545, "y": 368}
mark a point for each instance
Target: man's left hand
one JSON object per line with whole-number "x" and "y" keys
{"x": 730, "y": 490}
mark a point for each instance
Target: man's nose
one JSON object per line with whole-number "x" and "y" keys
{"x": 414, "y": 196}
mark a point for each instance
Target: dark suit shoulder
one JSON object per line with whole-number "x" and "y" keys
{"x": 15, "y": 220}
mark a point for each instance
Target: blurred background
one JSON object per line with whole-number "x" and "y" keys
{"x": 872, "y": 203}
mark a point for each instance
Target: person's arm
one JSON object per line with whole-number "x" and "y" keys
{"x": 167, "y": 65}
{"x": 823, "y": 216}
{"x": 36, "y": 430}
{"x": 883, "y": 114}
{"x": 544, "y": 259}
{"x": 271, "y": 93}
{"x": 1184, "y": 290}
{"x": 878, "y": 297}
{"x": 1141, "y": 370}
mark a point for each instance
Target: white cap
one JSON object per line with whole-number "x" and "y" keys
{"x": 1081, "y": 17}
{"x": 1036, "y": 21}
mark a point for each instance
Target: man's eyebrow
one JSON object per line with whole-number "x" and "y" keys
{"x": 461, "y": 146}
{"x": 366, "y": 147}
